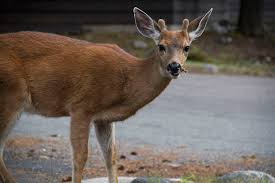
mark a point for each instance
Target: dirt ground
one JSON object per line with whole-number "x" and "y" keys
{"x": 49, "y": 160}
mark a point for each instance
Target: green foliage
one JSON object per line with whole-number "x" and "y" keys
{"x": 197, "y": 179}
{"x": 188, "y": 179}
{"x": 199, "y": 55}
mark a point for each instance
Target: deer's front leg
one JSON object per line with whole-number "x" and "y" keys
{"x": 80, "y": 127}
{"x": 106, "y": 138}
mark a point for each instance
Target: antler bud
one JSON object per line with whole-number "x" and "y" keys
{"x": 185, "y": 24}
{"x": 162, "y": 25}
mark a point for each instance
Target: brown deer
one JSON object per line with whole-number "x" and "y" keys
{"x": 94, "y": 84}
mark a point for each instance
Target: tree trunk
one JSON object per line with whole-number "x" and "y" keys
{"x": 251, "y": 17}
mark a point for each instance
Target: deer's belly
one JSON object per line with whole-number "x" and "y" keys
{"x": 47, "y": 108}
{"x": 115, "y": 113}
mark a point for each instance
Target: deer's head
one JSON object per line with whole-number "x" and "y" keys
{"x": 173, "y": 46}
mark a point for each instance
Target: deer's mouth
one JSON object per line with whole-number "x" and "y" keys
{"x": 175, "y": 73}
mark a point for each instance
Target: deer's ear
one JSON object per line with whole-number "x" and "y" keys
{"x": 197, "y": 26}
{"x": 146, "y": 25}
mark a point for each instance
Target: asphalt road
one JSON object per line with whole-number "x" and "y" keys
{"x": 204, "y": 113}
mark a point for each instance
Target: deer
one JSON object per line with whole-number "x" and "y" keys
{"x": 94, "y": 84}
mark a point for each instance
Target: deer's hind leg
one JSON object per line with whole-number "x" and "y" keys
{"x": 12, "y": 97}
{"x": 105, "y": 133}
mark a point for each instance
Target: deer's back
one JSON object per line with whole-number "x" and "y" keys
{"x": 64, "y": 74}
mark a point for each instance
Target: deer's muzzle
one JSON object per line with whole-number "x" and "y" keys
{"x": 174, "y": 68}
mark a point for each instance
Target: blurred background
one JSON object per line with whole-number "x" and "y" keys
{"x": 243, "y": 27}
{"x": 217, "y": 118}
{"x": 74, "y": 15}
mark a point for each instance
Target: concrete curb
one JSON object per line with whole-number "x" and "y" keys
{"x": 120, "y": 180}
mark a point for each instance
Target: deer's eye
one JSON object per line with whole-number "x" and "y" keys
{"x": 161, "y": 48}
{"x": 186, "y": 48}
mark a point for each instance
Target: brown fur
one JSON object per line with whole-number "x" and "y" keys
{"x": 63, "y": 74}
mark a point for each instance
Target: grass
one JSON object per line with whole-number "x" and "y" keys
{"x": 241, "y": 68}
{"x": 226, "y": 62}
{"x": 196, "y": 179}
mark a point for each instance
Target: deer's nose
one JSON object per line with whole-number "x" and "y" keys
{"x": 174, "y": 68}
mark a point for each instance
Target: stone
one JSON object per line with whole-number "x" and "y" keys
{"x": 140, "y": 44}
{"x": 246, "y": 177}
{"x": 211, "y": 68}
{"x": 268, "y": 59}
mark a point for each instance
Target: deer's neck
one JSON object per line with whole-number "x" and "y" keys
{"x": 146, "y": 81}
